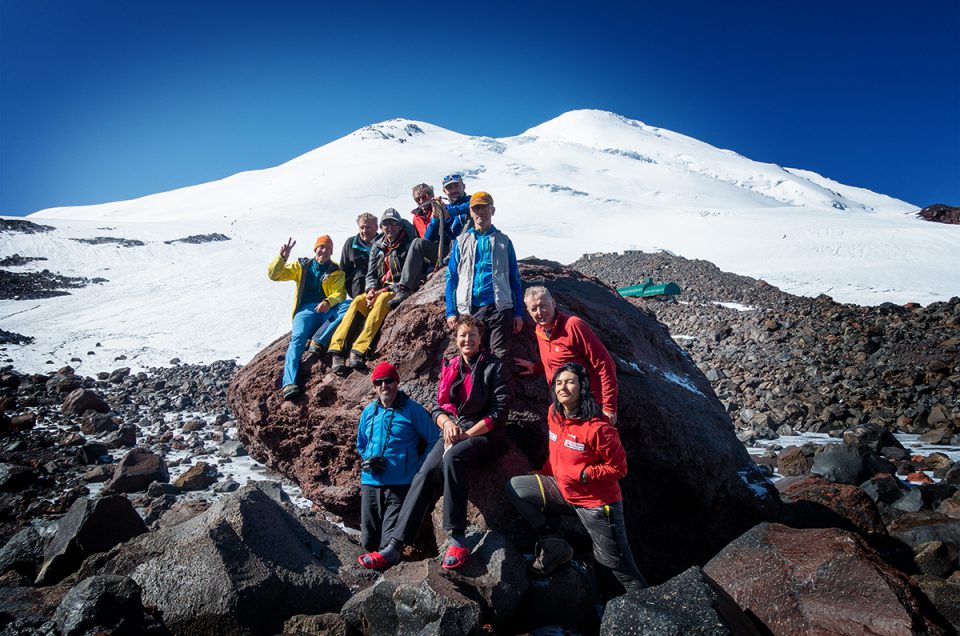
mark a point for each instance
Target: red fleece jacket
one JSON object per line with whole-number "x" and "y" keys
{"x": 592, "y": 445}
{"x": 572, "y": 340}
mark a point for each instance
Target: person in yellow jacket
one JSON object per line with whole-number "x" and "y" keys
{"x": 320, "y": 294}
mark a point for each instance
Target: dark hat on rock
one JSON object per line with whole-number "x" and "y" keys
{"x": 384, "y": 370}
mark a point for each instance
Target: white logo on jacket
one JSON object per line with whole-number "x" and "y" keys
{"x": 569, "y": 443}
{"x": 553, "y": 436}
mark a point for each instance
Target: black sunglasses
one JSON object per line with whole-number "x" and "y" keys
{"x": 382, "y": 381}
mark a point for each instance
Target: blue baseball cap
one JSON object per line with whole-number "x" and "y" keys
{"x": 452, "y": 178}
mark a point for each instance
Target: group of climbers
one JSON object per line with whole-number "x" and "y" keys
{"x": 410, "y": 453}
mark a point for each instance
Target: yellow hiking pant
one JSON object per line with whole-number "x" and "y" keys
{"x": 373, "y": 319}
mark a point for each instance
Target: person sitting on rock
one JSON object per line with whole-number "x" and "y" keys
{"x": 473, "y": 401}
{"x": 580, "y": 477}
{"x": 456, "y": 213}
{"x": 355, "y": 256}
{"x": 384, "y": 279}
{"x": 391, "y": 430}
{"x": 563, "y": 338}
{"x": 483, "y": 279}
{"x": 320, "y": 290}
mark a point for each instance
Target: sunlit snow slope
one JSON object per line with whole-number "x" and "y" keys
{"x": 586, "y": 181}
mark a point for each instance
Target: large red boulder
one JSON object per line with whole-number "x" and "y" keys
{"x": 691, "y": 487}
{"x": 819, "y": 581}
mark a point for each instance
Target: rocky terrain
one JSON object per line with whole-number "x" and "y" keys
{"x": 940, "y": 213}
{"x": 127, "y": 505}
{"x": 782, "y": 364}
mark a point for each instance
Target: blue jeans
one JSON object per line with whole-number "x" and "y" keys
{"x": 305, "y": 322}
{"x": 324, "y": 334}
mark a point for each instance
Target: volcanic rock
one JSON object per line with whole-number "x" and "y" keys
{"x": 101, "y": 604}
{"x": 796, "y": 460}
{"x": 936, "y": 558}
{"x": 815, "y": 502}
{"x": 91, "y": 525}
{"x": 138, "y": 469}
{"x": 95, "y": 423}
{"x": 568, "y": 596}
{"x": 217, "y": 572}
{"x": 316, "y": 624}
{"x": 849, "y": 464}
{"x": 689, "y": 603}
{"x": 940, "y": 213}
{"x": 687, "y": 469}
{"x": 824, "y": 581}
{"x": 495, "y": 576}
{"x": 197, "y": 477}
{"x": 413, "y": 598}
{"x": 81, "y": 400}
{"x": 23, "y": 553}
{"x": 921, "y": 527}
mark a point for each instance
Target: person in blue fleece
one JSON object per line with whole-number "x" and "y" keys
{"x": 483, "y": 279}
{"x": 393, "y": 438}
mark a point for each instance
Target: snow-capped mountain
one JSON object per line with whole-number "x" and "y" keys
{"x": 586, "y": 181}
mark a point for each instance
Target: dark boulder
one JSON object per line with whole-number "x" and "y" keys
{"x": 413, "y": 598}
{"x": 90, "y": 526}
{"x": 850, "y": 464}
{"x": 568, "y": 597}
{"x": 495, "y": 576}
{"x": 691, "y": 486}
{"x": 198, "y": 477}
{"x": 101, "y": 604}
{"x": 136, "y": 471}
{"x": 95, "y": 423}
{"x": 940, "y": 213}
{"x": 23, "y": 553}
{"x": 796, "y": 460}
{"x": 823, "y": 581}
{"x": 690, "y": 603}
{"x": 79, "y": 401}
{"x": 923, "y": 526}
{"x": 242, "y": 567}
{"x": 814, "y": 502}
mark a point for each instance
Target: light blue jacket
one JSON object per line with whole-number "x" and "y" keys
{"x": 404, "y": 433}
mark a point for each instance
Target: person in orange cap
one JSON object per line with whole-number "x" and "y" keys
{"x": 483, "y": 279}
{"x": 320, "y": 294}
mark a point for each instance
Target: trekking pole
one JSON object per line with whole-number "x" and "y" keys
{"x": 443, "y": 233}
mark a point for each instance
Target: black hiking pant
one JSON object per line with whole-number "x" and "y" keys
{"x": 499, "y": 326}
{"x": 539, "y": 501}
{"x": 379, "y": 513}
{"x": 447, "y": 470}
{"x": 421, "y": 257}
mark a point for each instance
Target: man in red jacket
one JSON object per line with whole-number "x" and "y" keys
{"x": 563, "y": 338}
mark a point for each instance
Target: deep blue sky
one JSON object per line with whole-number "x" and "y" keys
{"x": 103, "y": 100}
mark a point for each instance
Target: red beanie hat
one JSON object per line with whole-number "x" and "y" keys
{"x": 385, "y": 370}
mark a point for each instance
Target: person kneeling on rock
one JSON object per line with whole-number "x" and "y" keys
{"x": 473, "y": 403}
{"x": 580, "y": 477}
{"x": 392, "y": 428}
{"x": 320, "y": 296}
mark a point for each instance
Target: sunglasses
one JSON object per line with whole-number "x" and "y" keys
{"x": 382, "y": 381}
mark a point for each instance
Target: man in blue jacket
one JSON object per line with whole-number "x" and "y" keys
{"x": 483, "y": 279}
{"x": 393, "y": 438}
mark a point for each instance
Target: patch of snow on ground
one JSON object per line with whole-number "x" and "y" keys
{"x": 736, "y": 306}
{"x": 682, "y": 381}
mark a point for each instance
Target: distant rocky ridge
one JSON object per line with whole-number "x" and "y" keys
{"x": 939, "y": 213}
{"x": 789, "y": 363}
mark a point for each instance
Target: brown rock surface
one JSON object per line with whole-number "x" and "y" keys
{"x": 815, "y": 502}
{"x": 691, "y": 487}
{"x": 819, "y": 582}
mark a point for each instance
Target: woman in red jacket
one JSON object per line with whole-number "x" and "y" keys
{"x": 580, "y": 476}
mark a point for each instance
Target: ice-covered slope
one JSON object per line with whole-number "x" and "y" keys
{"x": 586, "y": 181}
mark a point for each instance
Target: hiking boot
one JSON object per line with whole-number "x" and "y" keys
{"x": 356, "y": 361}
{"x": 551, "y": 552}
{"x": 314, "y": 348}
{"x": 401, "y": 295}
{"x": 336, "y": 362}
{"x": 290, "y": 391}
